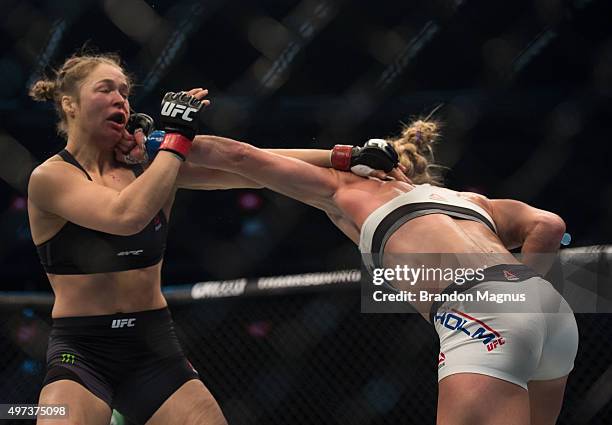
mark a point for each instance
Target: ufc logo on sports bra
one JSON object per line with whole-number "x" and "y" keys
{"x": 136, "y": 252}
{"x": 122, "y": 323}
{"x": 172, "y": 110}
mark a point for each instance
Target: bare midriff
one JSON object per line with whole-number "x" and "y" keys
{"x": 107, "y": 293}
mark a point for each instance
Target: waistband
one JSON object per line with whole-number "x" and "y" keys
{"x": 498, "y": 273}
{"x": 116, "y": 321}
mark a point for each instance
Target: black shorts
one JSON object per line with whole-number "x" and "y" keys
{"x": 132, "y": 361}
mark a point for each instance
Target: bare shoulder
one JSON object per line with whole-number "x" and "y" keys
{"x": 356, "y": 197}
{"x": 52, "y": 175}
{"x": 43, "y": 224}
{"x": 43, "y": 172}
{"x": 478, "y": 199}
{"x": 53, "y": 166}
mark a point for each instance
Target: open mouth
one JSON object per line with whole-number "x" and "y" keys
{"x": 117, "y": 118}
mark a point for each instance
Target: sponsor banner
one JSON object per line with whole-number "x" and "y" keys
{"x": 273, "y": 284}
{"x": 218, "y": 289}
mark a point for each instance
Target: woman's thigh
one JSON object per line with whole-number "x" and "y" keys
{"x": 83, "y": 407}
{"x": 191, "y": 404}
{"x": 475, "y": 399}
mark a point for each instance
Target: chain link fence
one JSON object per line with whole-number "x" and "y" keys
{"x": 308, "y": 358}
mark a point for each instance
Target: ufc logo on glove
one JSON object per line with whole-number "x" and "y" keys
{"x": 172, "y": 110}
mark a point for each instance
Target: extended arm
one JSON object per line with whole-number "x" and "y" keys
{"x": 194, "y": 174}
{"x": 197, "y": 177}
{"x": 318, "y": 157}
{"x": 377, "y": 158}
{"x": 310, "y": 184}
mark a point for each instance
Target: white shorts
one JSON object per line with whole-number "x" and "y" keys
{"x": 516, "y": 341}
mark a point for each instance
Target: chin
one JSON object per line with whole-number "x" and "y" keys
{"x": 111, "y": 138}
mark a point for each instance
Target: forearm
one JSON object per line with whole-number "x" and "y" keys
{"x": 318, "y": 157}
{"x": 144, "y": 197}
{"x": 218, "y": 153}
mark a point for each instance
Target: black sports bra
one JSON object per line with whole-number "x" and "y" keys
{"x": 79, "y": 250}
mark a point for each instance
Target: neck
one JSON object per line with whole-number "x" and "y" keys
{"x": 94, "y": 155}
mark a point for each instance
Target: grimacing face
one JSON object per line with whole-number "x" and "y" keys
{"x": 103, "y": 108}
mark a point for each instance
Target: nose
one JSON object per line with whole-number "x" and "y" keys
{"x": 119, "y": 100}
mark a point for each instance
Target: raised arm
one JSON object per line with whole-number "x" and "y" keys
{"x": 61, "y": 189}
{"x": 536, "y": 231}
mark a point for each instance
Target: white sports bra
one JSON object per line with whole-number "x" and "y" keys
{"x": 424, "y": 199}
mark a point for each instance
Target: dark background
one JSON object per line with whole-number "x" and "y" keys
{"x": 525, "y": 88}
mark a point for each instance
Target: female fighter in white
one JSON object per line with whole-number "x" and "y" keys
{"x": 495, "y": 368}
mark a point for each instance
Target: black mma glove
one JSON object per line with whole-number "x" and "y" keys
{"x": 376, "y": 154}
{"x": 138, "y": 120}
{"x": 179, "y": 119}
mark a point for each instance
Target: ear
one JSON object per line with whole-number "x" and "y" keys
{"x": 68, "y": 106}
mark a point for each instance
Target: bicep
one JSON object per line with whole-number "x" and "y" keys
{"x": 514, "y": 220}
{"x": 69, "y": 195}
{"x": 201, "y": 178}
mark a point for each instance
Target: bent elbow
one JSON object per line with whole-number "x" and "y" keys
{"x": 556, "y": 223}
{"x": 553, "y": 225}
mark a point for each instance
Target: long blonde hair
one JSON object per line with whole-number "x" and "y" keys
{"x": 67, "y": 81}
{"x": 414, "y": 147}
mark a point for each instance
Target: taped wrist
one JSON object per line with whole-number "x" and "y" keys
{"x": 153, "y": 143}
{"x": 177, "y": 143}
{"x": 341, "y": 157}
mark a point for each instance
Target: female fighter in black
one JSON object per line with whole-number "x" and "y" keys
{"x": 100, "y": 229}
{"x": 100, "y": 232}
